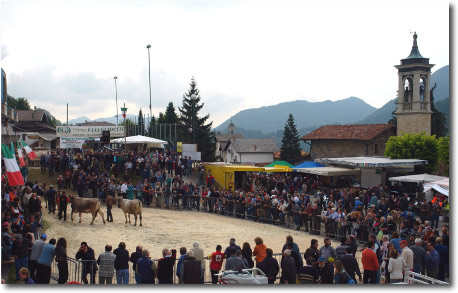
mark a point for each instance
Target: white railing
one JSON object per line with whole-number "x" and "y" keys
{"x": 415, "y": 278}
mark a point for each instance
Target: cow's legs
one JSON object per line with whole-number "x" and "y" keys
{"x": 80, "y": 218}
{"x": 129, "y": 218}
{"x": 135, "y": 219}
{"x": 71, "y": 216}
{"x": 140, "y": 219}
{"x": 94, "y": 214}
{"x": 102, "y": 215}
{"x": 125, "y": 215}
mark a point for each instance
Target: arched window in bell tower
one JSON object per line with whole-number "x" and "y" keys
{"x": 408, "y": 90}
{"x": 422, "y": 90}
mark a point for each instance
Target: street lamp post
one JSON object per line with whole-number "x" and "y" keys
{"x": 193, "y": 99}
{"x": 149, "y": 75}
{"x": 116, "y": 87}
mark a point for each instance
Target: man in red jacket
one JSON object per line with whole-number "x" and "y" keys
{"x": 216, "y": 262}
{"x": 370, "y": 264}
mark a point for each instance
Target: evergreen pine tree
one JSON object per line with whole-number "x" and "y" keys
{"x": 290, "y": 148}
{"x": 189, "y": 118}
{"x": 141, "y": 123}
{"x": 170, "y": 114}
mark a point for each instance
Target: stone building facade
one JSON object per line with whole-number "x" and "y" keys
{"x": 334, "y": 141}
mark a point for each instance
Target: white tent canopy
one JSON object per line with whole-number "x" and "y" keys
{"x": 419, "y": 178}
{"x": 441, "y": 186}
{"x": 152, "y": 142}
{"x": 329, "y": 171}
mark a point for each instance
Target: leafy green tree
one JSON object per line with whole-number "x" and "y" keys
{"x": 414, "y": 146}
{"x": 18, "y": 104}
{"x": 290, "y": 148}
{"x": 196, "y": 127}
{"x": 438, "y": 119}
{"x": 444, "y": 155}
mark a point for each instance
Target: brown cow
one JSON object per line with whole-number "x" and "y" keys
{"x": 86, "y": 205}
{"x": 130, "y": 206}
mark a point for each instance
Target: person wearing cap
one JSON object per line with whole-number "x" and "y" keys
{"x": 45, "y": 261}
{"x": 325, "y": 270}
{"x": 35, "y": 254}
{"x": 406, "y": 254}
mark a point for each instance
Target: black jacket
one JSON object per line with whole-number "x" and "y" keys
{"x": 313, "y": 252}
{"x": 134, "y": 257}
{"x": 270, "y": 267}
{"x": 89, "y": 258}
{"x": 122, "y": 259}
{"x": 192, "y": 270}
{"x": 165, "y": 266}
{"x": 351, "y": 266}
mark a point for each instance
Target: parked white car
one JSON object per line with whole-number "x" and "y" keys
{"x": 247, "y": 277}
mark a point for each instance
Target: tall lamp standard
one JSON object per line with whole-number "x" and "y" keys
{"x": 149, "y": 75}
{"x": 116, "y": 87}
{"x": 193, "y": 99}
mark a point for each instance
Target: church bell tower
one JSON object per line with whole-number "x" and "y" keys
{"x": 414, "y": 104}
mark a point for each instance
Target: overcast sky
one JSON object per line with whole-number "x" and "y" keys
{"x": 243, "y": 54}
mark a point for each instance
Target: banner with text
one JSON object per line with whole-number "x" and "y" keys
{"x": 89, "y": 131}
{"x": 72, "y": 142}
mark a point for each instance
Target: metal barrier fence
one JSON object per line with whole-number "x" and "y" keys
{"x": 76, "y": 271}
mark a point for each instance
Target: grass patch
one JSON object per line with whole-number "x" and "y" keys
{"x": 35, "y": 175}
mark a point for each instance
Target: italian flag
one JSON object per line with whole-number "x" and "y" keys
{"x": 12, "y": 169}
{"x": 20, "y": 155}
{"x": 29, "y": 150}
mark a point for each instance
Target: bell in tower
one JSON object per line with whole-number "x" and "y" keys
{"x": 413, "y": 103}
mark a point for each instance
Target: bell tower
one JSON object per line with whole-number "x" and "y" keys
{"x": 414, "y": 104}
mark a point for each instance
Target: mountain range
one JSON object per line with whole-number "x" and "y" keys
{"x": 112, "y": 119}
{"x": 269, "y": 121}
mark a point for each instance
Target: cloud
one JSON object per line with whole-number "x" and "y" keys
{"x": 4, "y": 51}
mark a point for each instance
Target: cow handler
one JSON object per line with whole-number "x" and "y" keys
{"x": 109, "y": 201}
{"x": 62, "y": 201}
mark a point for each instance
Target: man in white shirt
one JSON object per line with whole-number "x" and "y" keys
{"x": 407, "y": 254}
{"x": 124, "y": 190}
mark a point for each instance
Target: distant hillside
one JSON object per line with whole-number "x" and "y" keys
{"x": 83, "y": 119}
{"x": 306, "y": 114}
{"x": 442, "y": 78}
{"x": 382, "y": 115}
{"x": 441, "y": 92}
{"x": 444, "y": 107}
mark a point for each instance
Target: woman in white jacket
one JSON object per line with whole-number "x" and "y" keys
{"x": 396, "y": 267}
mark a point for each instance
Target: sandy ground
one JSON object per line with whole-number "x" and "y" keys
{"x": 164, "y": 228}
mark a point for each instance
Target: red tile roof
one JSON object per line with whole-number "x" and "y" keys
{"x": 348, "y": 132}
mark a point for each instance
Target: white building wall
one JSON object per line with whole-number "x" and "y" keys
{"x": 256, "y": 158}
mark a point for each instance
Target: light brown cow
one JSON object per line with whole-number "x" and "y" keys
{"x": 86, "y": 205}
{"x": 130, "y": 206}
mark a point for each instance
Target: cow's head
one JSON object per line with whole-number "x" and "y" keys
{"x": 118, "y": 200}
{"x": 71, "y": 197}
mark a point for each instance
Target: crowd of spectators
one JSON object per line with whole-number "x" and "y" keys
{"x": 377, "y": 216}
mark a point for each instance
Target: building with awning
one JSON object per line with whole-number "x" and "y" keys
{"x": 374, "y": 170}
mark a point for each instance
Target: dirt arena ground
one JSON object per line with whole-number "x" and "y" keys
{"x": 164, "y": 228}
